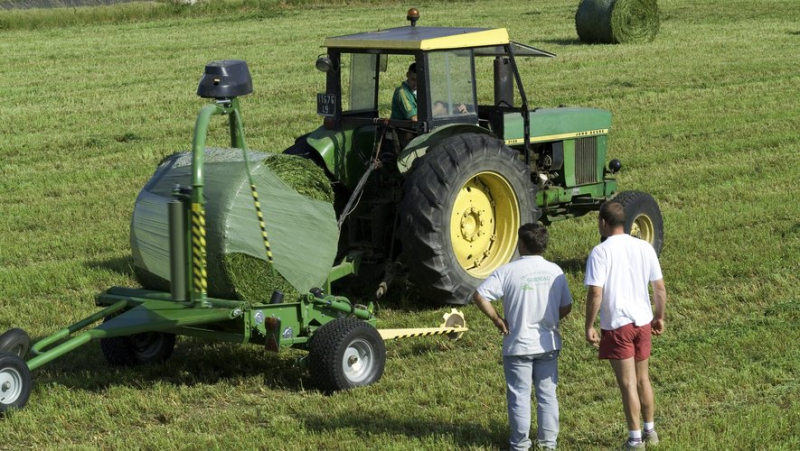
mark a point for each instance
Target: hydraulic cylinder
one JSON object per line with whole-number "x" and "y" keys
{"x": 178, "y": 249}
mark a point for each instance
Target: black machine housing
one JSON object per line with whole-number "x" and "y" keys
{"x": 225, "y": 79}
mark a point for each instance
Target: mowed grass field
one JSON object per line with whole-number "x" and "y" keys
{"x": 706, "y": 118}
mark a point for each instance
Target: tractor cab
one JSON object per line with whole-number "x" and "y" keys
{"x": 366, "y": 83}
{"x": 363, "y": 71}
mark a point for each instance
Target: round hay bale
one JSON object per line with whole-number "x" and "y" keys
{"x": 296, "y": 200}
{"x": 303, "y": 175}
{"x": 617, "y": 21}
{"x": 250, "y": 277}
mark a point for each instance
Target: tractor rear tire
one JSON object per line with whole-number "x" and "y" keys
{"x": 138, "y": 349}
{"x": 464, "y": 202}
{"x": 15, "y": 341}
{"x": 15, "y": 382}
{"x": 642, "y": 217}
{"x": 346, "y": 353}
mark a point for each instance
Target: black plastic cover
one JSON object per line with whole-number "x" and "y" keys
{"x": 225, "y": 79}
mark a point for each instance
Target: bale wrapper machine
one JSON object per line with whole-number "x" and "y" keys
{"x": 137, "y": 326}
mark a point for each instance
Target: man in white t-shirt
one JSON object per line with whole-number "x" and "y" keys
{"x": 618, "y": 273}
{"x": 535, "y": 298}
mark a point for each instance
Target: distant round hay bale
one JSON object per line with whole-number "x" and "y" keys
{"x": 617, "y": 21}
{"x": 296, "y": 200}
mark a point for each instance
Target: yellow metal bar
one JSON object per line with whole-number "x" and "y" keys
{"x": 498, "y": 36}
{"x": 393, "y": 334}
{"x": 418, "y": 39}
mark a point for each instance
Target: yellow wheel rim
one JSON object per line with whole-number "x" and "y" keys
{"x": 642, "y": 228}
{"x": 484, "y": 224}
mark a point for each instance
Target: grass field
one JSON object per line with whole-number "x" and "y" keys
{"x": 706, "y": 118}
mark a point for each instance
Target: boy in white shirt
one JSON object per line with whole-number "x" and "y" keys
{"x": 535, "y": 298}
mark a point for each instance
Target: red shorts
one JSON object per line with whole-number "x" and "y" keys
{"x": 626, "y": 342}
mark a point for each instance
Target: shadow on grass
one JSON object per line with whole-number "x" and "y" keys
{"x": 463, "y": 435}
{"x": 564, "y": 41}
{"x": 401, "y": 295}
{"x": 419, "y": 348}
{"x": 193, "y": 362}
{"x": 122, "y": 265}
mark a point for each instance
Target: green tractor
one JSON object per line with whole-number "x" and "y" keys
{"x": 441, "y": 197}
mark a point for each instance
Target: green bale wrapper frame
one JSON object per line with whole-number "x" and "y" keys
{"x": 617, "y": 21}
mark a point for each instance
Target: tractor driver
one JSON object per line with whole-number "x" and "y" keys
{"x": 440, "y": 108}
{"x": 404, "y": 101}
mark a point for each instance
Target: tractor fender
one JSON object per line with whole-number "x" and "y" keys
{"x": 419, "y": 145}
{"x": 324, "y": 143}
{"x": 343, "y": 153}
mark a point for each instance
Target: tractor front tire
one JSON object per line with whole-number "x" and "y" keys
{"x": 138, "y": 349}
{"x": 15, "y": 341}
{"x": 642, "y": 217}
{"x": 346, "y": 353}
{"x": 463, "y": 205}
{"x": 15, "y": 382}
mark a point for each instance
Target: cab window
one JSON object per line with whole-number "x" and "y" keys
{"x": 451, "y": 87}
{"x": 359, "y": 80}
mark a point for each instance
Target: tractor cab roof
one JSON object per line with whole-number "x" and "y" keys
{"x": 486, "y": 41}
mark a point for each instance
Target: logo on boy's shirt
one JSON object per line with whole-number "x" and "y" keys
{"x": 530, "y": 282}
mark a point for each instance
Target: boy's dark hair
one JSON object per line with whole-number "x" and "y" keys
{"x": 534, "y": 237}
{"x": 413, "y": 68}
{"x": 612, "y": 214}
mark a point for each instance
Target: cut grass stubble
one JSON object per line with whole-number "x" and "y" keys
{"x": 710, "y": 133}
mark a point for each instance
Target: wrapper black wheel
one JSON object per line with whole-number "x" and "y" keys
{"x": 15, "y": 341}
{"x": 346, "y": 353}
{"x": 138, "y": 349}
{"x": 15, "y": 382}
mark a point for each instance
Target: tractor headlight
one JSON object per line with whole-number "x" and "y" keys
{"x": 324, "y": 64}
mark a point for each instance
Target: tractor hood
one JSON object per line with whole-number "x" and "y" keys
{"x": 556, "y": 124}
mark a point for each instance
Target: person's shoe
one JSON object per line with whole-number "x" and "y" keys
{"x": 650, "y": 437}
{"x": 633, "y": 445}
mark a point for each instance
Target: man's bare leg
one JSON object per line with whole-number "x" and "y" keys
{"x": 645, "y": 390}
{"x": 625, "y": 371}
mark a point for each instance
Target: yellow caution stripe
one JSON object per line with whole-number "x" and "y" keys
{"x": 199, "y": 275}
{"x": 261, "y": 223}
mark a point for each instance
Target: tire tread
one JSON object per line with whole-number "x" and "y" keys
{"x": 423, "y": 210}
{"x": 324, "y": 350}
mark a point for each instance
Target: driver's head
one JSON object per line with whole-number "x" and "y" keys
{"x": 411, "y": 76}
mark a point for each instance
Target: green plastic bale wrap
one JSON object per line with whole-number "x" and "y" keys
{"x": 296, "y": 201}
{"x": 617, "y": 21}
